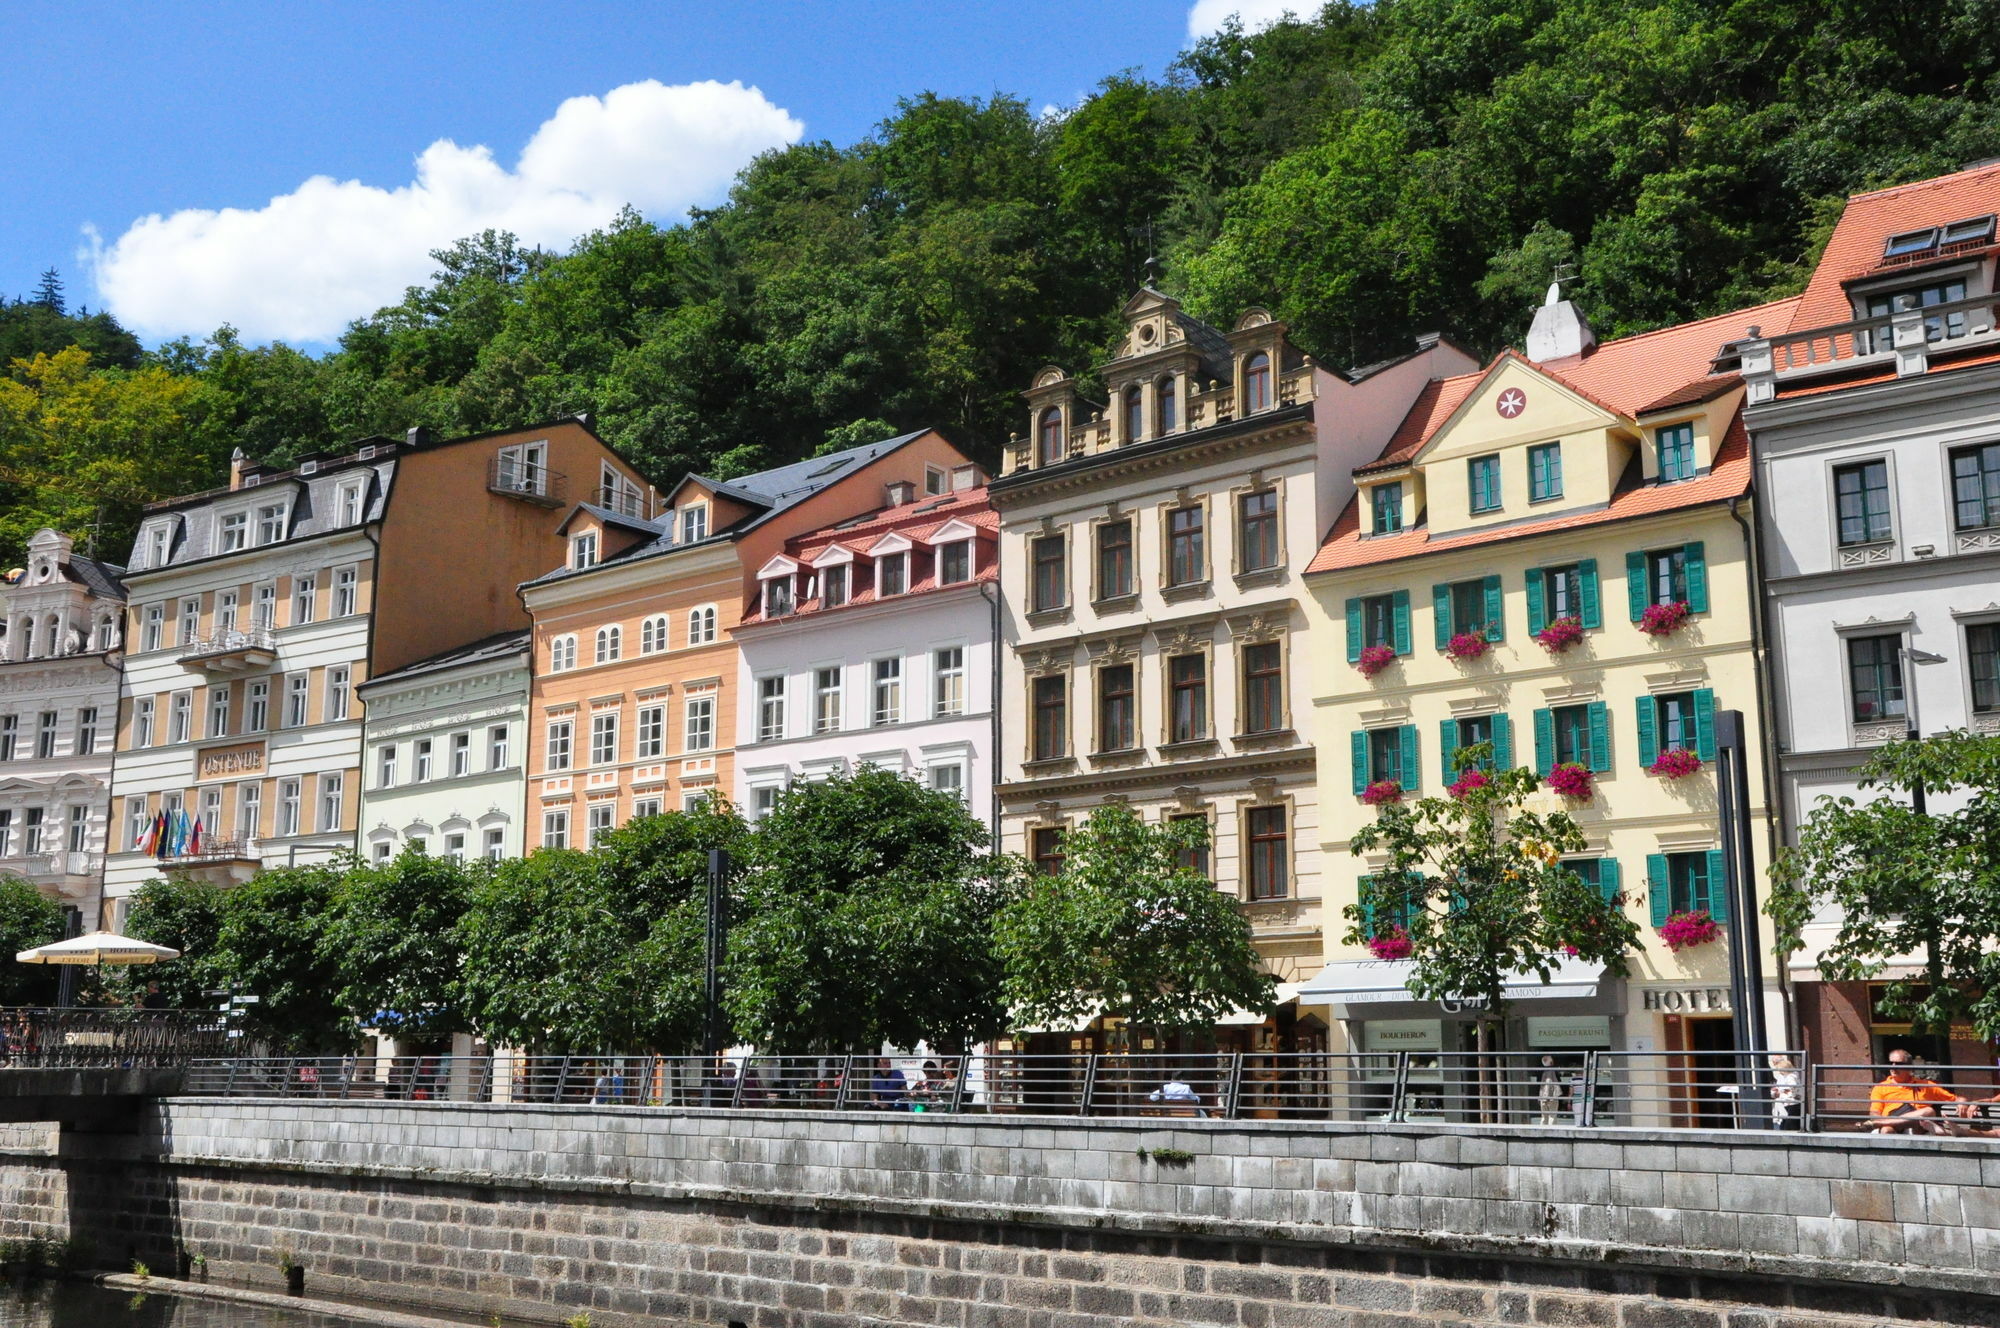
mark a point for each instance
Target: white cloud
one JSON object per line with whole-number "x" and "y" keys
{"x": 307, "y": 262}
{"x": 1208, "y": 15}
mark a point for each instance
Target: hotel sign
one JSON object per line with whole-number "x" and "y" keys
{"x": 1687, "y": 1000}
{"x": 229, "y": 762}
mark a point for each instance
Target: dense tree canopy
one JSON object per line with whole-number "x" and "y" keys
{"x": 1369, "y": 172}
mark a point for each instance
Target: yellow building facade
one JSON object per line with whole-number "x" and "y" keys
{"x": 1503, "y": 575}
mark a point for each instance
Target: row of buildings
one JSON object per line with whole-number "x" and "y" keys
{"x": 1235, "y": 585}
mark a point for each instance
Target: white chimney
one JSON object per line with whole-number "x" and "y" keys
{"x": 900, "y": 492}
{"x": 965, "y": 477}
{"x": 1560, "y": 330}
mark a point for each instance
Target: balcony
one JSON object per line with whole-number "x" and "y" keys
{"x": 1903, "y": 343}
{"x": 69, "y": 876}
{"x": 231, "y": 651}
{"x": 530, "y": 484}
{"x": 220, "y": 862}
{"x": 620, "y": 500}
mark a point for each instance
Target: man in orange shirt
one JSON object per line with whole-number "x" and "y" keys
{"x": 1904, "y": 1102}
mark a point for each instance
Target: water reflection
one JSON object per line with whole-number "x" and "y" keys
{"x": 76, "y": 1305}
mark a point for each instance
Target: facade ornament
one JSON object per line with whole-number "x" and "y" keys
{"x": 1263, "y": 790}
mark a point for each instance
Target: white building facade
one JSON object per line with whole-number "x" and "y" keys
{"x": 61, "y": 621}
{"x": 445, "y": 745}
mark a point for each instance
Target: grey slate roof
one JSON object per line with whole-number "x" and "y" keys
{"x": 101, "y": 579}
{"x": 479, "y": 652}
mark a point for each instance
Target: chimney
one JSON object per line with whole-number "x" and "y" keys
{"x": 236, "y": 460}
{"x": 965, "y": 477}
{"x": 900, "y": 493}
{"x": 1560, "y": 330}
{"x": 416, "y": 435}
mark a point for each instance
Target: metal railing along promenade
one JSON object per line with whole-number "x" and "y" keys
{"x": 66, "y": 1038}
{"x": 1594, "y": 1089}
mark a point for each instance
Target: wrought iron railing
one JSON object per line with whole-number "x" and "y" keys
{"x": 1929, "y": 1099}
{"x": 228, "y": 642}
{"x": 63, "y": 1038}
{"x": 537, "y": 484}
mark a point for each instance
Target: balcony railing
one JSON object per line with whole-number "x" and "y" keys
{"x": 534, "y": 484}
{"x": 230, "y": 649}
{"x": 1904, "y": 340}
{"x": 48, "y": 866}
{"x": 211, "y": 851}
{"x": 41, "y": 1038}
{"x": 622, "y": 501}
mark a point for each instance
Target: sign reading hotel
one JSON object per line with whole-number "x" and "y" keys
{"x": 230, "y": 762}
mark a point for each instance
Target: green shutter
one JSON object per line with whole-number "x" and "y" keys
{"x": 1536, "y": 614}
{"x": 1400, "y": 613}
{"x": 1600, "y": 738}
{"x": 1503, "y": 743}
{"x": 1448, "y": 749}
{"x": 1441, "y": 615}
{"x": 1635, "y": 584}
{"x": 1545, "y": 742}
{"x": 1407, "y": 775}
{"x": 1657, "y": 893}
{"x": 1649, "y": 733}
{"x": 1353, "y": 631}
{"x": 1364, "y": 897}
{"x": 1608, "y": 883}
{"x": 1696, "y": 565}
{"x": 1360, "y": 761}
{"x": 1586, "y": 593}
{"x": 1718, "y": 885}
{"x": 1496, "y": 610}
{"x": 1704, "y": 724}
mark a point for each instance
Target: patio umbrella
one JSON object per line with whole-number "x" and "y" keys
{"x": 99, "y": 947}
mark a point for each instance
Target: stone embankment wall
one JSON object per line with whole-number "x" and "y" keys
{"x": 813, "y": 1219}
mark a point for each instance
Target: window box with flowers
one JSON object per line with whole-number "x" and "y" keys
{"x": 1571, "y": 779}
{"x": 1391, "y": 944}
{"x": 1560, "y": 635}
{"x": 1467, "y": 645}
{"x": 1382, "y": 791}
{"x": 1374, "y": 659}
{"x": 1675, "y": 763}
{"x": 1664, "y": 619}
{"x": 1682, "y": 931}
{"x": 1469, "y": 781}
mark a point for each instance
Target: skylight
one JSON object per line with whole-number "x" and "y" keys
{"x": 1910, "y": 242}
{"x": 1972, "y": 228}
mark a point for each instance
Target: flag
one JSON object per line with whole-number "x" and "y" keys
{"x": 194, "y": 839}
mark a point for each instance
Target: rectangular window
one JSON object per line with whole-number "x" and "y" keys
{"x": 1263, "y": 688}
{"x": 138, "y": 821}
{"x": 1378, "y": 621}
{"x": 496, "y": 845}
{"x": 298, "y": 687}
{"x": 1689, "y": 885}
{"x": 833, "y": 587}
{"x": 1470, "y": 732}
{"x": 497, "y": 754}
{"x": 1674, "y": 722}
{"x": 561, "y": 735}
{"x": 385, "y": 766}
{"x": 604, "y": 737}
{"x": 1483, "y": 476}
{"x": 1387, "y": 502}
{"x": 1186, "y": 563}
{"x": 1936, "y": 326}
{"x": 600, "y": 816}
{"x": 86, "y": 731}
{"x": 1666, "y": 576}
{"x": 764, "y": 801}
{"x": 694, "y": 523}
{"x": 652, "y": 736}
{"x": 1116, "y": 727}
{"x": 1861, "y": 500}
{"x": 949, "y": 777}
{"x": 1975, "y": 486}
{"x": 1050, "y": 696}
{"x": 7, "y": 827}
{"x": 826, "y": 700}
{"x": 1572, "y": 733}
{"x": 180, "y": 717}
{"x": 142, "y": 712}
{"x": 583, "y": 549}
{"x": 332, "y": 787}
{"x": 157, "y": 543}
{"x": 271, "y": 523}
{"x": 955, "y": 563}
{"x": 889, "y": 691}
{"x": 211, "y": 812}
{"x": 153, "y": 634}
{"x": 45, "y": 734}
{"x": 948, "y": 681}
{"x": 225, "y": 612}
{"x": 454, "y": 846}
{"x": 1045, "y": 850}
{"x": 218, "y": 711}
{"x": 421, "y": 760}
{"x": 264, "y": 606}
{"x": 290, "y": 794}
{"x": 892, "y": 574}
{"x": 337, "y": 692}
{"x": 1468, "y": 607}
{"x": 770, "y": 709}
{"x": 142, "y": 728}
{"x": 1545, "y": 472}
{"x": 31, "y": 831}
{"x": 1982, "y": 648}
{"x": 250, "y": 811}
{"x": 1562, "y": 592}
{"x": 1269, "y": 853}
{"x": 1875, "y": 673}
{"x": 777, "y": 597}
{"x": 303, "y": 589}
{"x": 1187, "y": 687}
{"x": 1257, "y": 530}
{"x": 257, "y": 706}
{"x": 1195, "y": 859}
{"x": 700, "y": 723}
{"x": 1051, "y": 573}
{"x": 1114, "y": 559}
{"x": 461, "y": 755}
{"x": 555, "y": 829}
{"x": 1676, "y": 448}
{"x": 345, "y": 597}
{"x": 350, "y": 502}
{"x": 190, "y": 620}
{"x": 1385, "y": 756}
{"x": 235, "y": 531}
{"x": 79, "y": 826}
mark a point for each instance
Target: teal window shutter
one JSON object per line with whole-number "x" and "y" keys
{"x": 1704, "y": 724}
{"x": 1608, "y": 884}
{"x": 1600, "y": 738}
{"x": 1448, "y": 749}
{"x": 1496, "y": 610}
{"x": 1441, "y": 613}
{"x": 1635, "y": 584}
{"x": 1364, "y": 895}
{"x": 1718, "y": 885}
{"x": 1545, "y": 742}
{"x": 1537, "y": 618}
{"x": 1503, "y": 743}
{"x": 1407, "y": 774}
{"x": 1353, "y": 631}
{"x": 1592, "y": 611}
{"x": 1400, "y": 616}
{"x": 1649, "y": 732}
{"x": 1360, "y": 761}
{"x": 1696, "y": 564}
{"x": 1658, "y": 893}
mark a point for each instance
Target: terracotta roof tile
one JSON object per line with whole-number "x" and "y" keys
{"x": 1855, "y": 248}
{"x": 1433, "y": 406}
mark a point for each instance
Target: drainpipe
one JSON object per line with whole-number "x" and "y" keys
{"x": 993, "y": 705}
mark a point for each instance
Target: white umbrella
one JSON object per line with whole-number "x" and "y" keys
{"x": 99, "y": 947}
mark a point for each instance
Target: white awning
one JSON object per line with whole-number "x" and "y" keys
{"x": 1380, "y": 981}
{"x": 1284, "y": 993}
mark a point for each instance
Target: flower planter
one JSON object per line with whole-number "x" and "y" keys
{"x": 1469, "y": 781}
{"x": 1382, "y": 791}
{"x": 1468, "y": 645}
{"x": 1392, "y": 944}
{"x": 1374, "y": 659}
{"x": 1675, "y": 763}
{"x": 1664, "y": 619}
{"x": 1560, "y": 635}
{"x": 1682, "y": 931}
{"x": 1571, "y": 780}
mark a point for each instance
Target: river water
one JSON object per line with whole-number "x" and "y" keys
{"x": 80, "y": 1305}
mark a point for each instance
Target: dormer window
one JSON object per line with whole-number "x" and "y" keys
{"x": 1971, "y": 230}
{"x": 1675, "y": 443}
{"x": 833, "y": 587}
{"x": 1163, "y": 403}
{"x": 1135, "y": 414}
{"x": 235, "y": 531}
{"x": 583, "y": 549}
{"x": 1937, "y": 327}
{"x": 1387, "y": 500}
{"x": 892, "y": 574}
{"x": 1049, "y": 450}
{"x": 694, "y": 522}
{"x": 350, "y": 502}
{"x": 1910, "y": 242}
{"x": 777, "y": 597}
{"x": 1256, "y": 383}
{"x": 157, "y": 542}
{"x": 954, "y": 563}
{"x": 270, "y": 523}
{"x": 936, "y": 480}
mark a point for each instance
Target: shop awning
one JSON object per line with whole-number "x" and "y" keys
{"x": 1284, "y": 993}
{"x": 1380, "y": 981}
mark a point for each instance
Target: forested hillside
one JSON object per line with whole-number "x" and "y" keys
{"x": 1377, "y": 171}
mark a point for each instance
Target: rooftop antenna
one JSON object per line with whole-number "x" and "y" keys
{"x": 90, "y": 533}
{"x": 1564, "y": 272}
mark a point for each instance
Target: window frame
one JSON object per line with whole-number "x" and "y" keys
{"x": 1188, "y": 718}
{"x": 1483, "y": 493}
{"x": 829, "y": 695}
{"x": 1267, "y": 857}
{"x": 1115, "y": 557}
{"x": 1264, "y": 696}
{"x": 1982, "y": 681}
{"x": 1258, "y": 385}
{"x": 604, "y": 737}
{"x": 1050, "y": 441}
{"x": 1385, "y": 506}
{"x": 1545, "y": 472}
{"x": 1260, "y": 533}
{"x": 559, "y": 744}
{"x": 1985, "y": 474}
{"x": 948, "y": 556}
{"x": 1187, "y": 546}
{"x": 772, "y": 707}
{"x": 1048, "y": 573}
{"x": 1868, "y": 516}
{"x": 649, "y": 732}
{"x": 698, "y": 723}
{"x": 886, "y": 691}
{"x": 887, "y": 586}
{"x": 1674, "y": 443}
{"x": 950, "y": 682}
{"x": 1117, "y": 709}
{"x": 1048, "y": 712}
{"x": 1887, "y": 668}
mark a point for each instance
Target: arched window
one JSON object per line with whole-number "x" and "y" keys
{"x": 610, "y": 642}
{"x": 1163, "y": 403}
{"x": 1135, "y": 414}
{"x": 701, "y": 625}
{"x": 653, "y": 634}
{"x": 1051, "y": 450}
{"x": 1256, "y": 383}
{"x": 562, "y": 654}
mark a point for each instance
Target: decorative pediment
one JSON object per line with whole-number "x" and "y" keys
{"x": 892, "y": 543}
{"x": 1267, "y": 624}
{"x": 1184, "y": 636}
{"x": 1187, "y": 797}
{"x": 779, "y": 566}
{"x": 1041, "y": 663}
{"x": 953, "y": 531}
{"x": 1118, "y": 649}
{"x": 834, "y": 555}
{"x": 1264, "y": 789}
{"x": 1048, "y": 813}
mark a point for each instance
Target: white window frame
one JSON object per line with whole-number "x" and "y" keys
{"x": 337, "y": 692}
{"x": 555, "y": 827}
{"x": 271, "y": 521}
{"x": 385, "y": 766}
{"x": 699, "y": 723}
{"x": 650, "y": 738}
{"x": 459, "y": 762}
{"x": 829, "y": 699}
{"x": 693, "y": 523}
{"x": 642, "y": 807}
{"x": 562, "y": 653}
{"x": 233, "y": 532}
{"x": 494, "y": 845}
{"x": 560, "y": 743}
{"x": 257, "y": 706}
{"x": 948, "y": 682}
{"x": 886, "y": 690}
{"x": 600, "y": 819}
{"x": 422, "y": 764}
{"x": 249, "y": 810}
{"x": 79, "y": 828}
{"x": 305, "y": 588}
{"x": 610, "y": 646}
{"x": 604, "y": 737}
{"x": 225, "y": 610}
{"x": 583, "y": 548}
{"x": 180, "y": 717}
{"x": 152, "y": 626}
{"x": 772, "y": 705}
{"x": 701, "y": 625}
{"x": 291, "y": 795}
{"x": 346, "y": 592}
{"x": 499, "y": 744}
{"x": 143, "y": 734}
{"x": 86, "y": 731}
{"x": 349, "y": 501}
{"x": 219, "y": 697}
{"x": 332, "y": 800}
{"x": 189, "y": 620}
{"x": 298, "y": 700}
{"x": 159, "y": 544}
{"x": 523, "y": 468}
{"x": 653, "y": 634}
{"x": 138, "y": 820}
{"x": 264, "y": 606}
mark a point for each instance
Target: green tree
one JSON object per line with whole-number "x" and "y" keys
{"x": 866, "y": 917}
{"x": 271, "y": 945}
{"x": 391, "y": 935}
{"x": 187, "y": 916}
{"x": 28, "y": 918}
{"x": 1128, "y": 928}
{"x": 1477, "y": 883}
{"x": 1906, "y": 883}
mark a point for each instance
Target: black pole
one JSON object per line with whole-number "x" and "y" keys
{"x": 1746, "y": 955}
{"x": 718, "y": 941}
{"x": 66, "y": 981}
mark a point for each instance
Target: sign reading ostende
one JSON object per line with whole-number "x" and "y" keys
{"x": 230, "y": 762}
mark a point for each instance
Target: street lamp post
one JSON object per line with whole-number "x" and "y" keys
{"x": 1913, "y": 731}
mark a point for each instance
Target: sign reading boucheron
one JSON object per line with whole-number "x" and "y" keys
{"x": 230, "y": 762}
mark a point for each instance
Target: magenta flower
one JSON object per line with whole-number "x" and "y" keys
{"x": 1682, "y": 930}
{"x": 1675, "y": 763}
{"x": 1374, "y": 659}
{"x": 1571, "y": 780}
{"x": 1468, "y": 645}
{"x": 1391, "y": 944}
{"x": 1560, "y": 635}
{"x": 1663, "y": 619}
{"x": 1470, "y": 780}
{"x": 1381, "y": 791}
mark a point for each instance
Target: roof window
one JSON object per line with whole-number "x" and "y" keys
{"x": 1910, "y": 242}
{"x": 1971, "y": 229}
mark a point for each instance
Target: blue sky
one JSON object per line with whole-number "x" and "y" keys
{"x": 182, "y": 111}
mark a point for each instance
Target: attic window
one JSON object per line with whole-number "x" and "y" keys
{"x": 829, "y": 468}
{"x": 1969, "y": 230}
{"x": 1910, "y": 242}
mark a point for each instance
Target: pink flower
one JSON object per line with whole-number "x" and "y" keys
{"x": 1663, "y": 619}
{"x": 1571, "y": 780}
{"x": 1560, "y": 635}
{"x": 1374, "y": 659}
{"x": 1470, "y": 780}
{"x": 1468, "y": 645}
{"x": 1675, "y": 763}
{"x": 1391, "y": 944}
{"x": 1682, "y": 930}
{"x": 1381, "y": 791}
